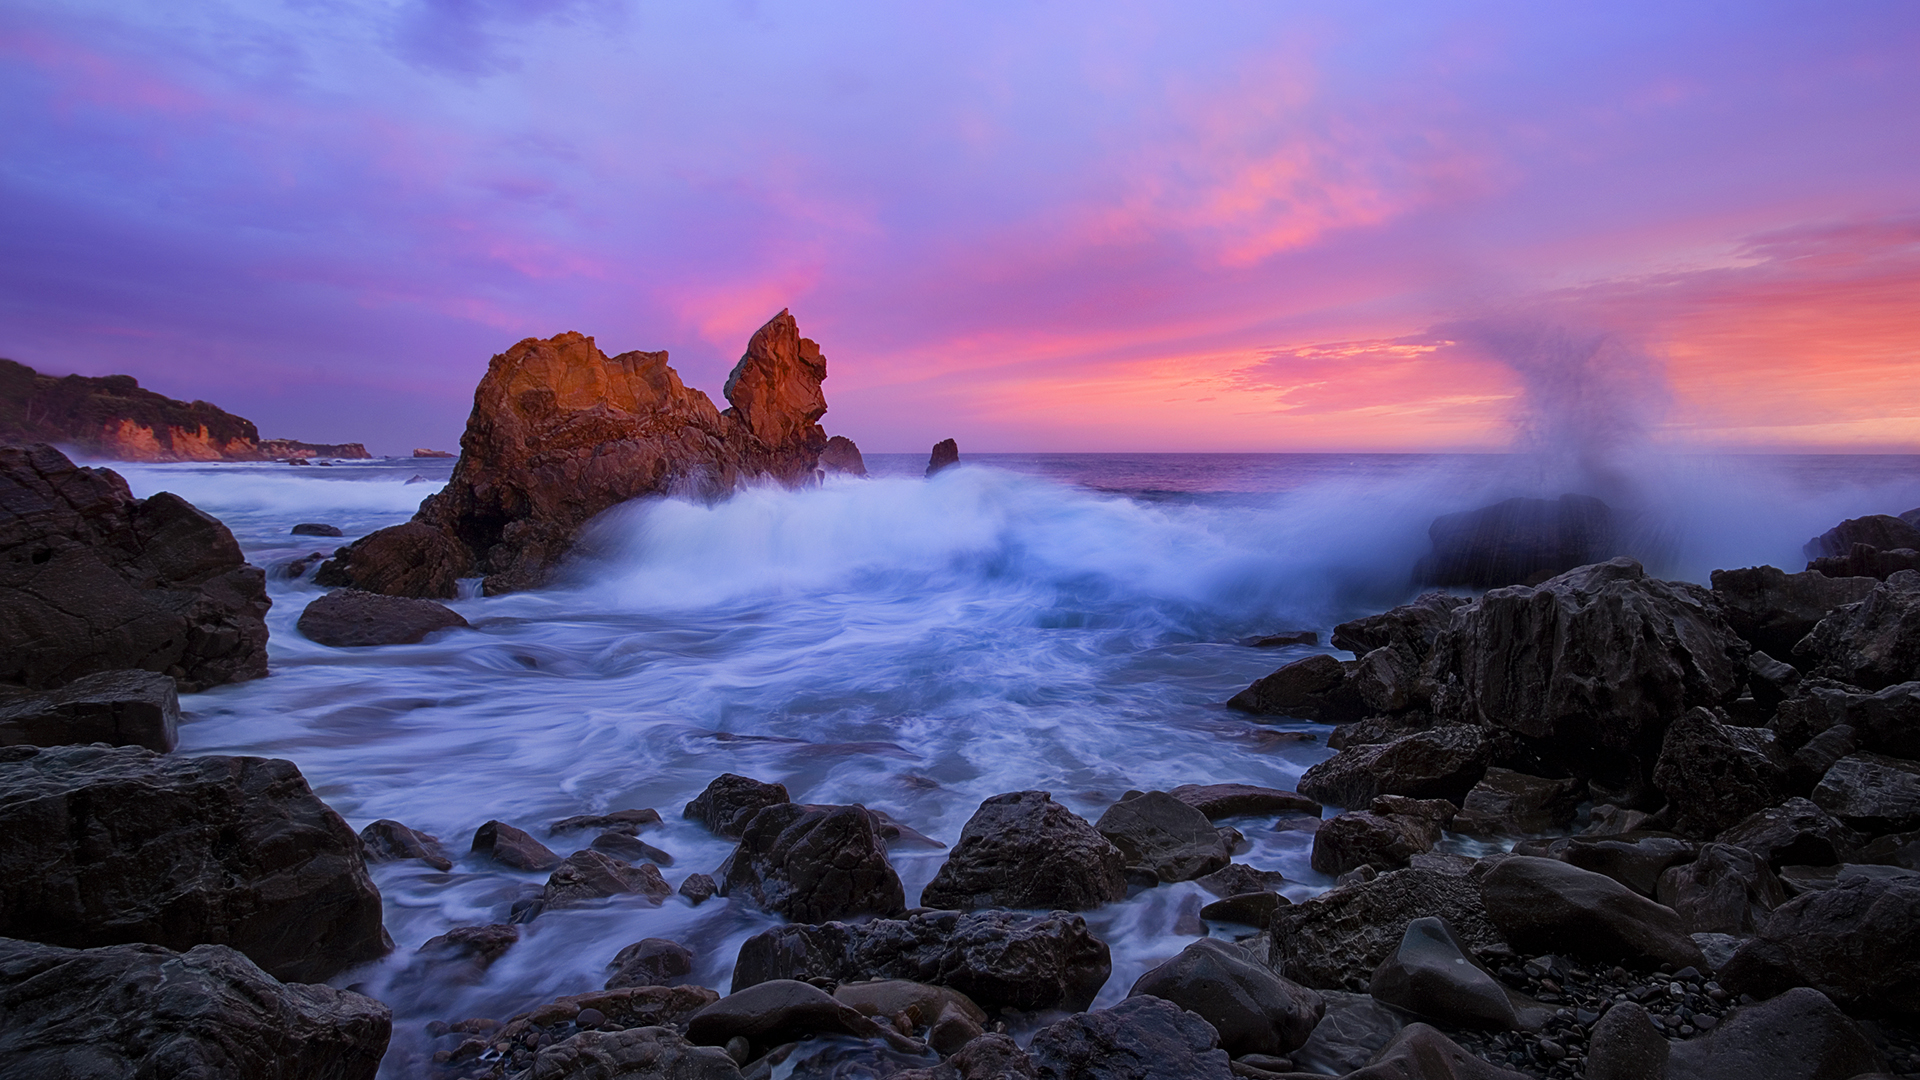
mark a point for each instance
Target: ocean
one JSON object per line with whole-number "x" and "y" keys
{"x": 1063, "y": 622}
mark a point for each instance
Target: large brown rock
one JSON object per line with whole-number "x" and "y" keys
{"x": 1023, "y": 850}
{"x": 107, "y": 846}
{"x": 814, "y": 863}
{"x": 346, "y": 618}
{"x": 127, "y": 1011}
{"x": 1254, "y": 1010}
{"x": 92, "y": 579}
{"x": 1857, "y": 942}
{"x": 1444, "y": 763}
{"x": 406, "y": 560}
{"x": 119, "y": 708}
{"x": 1549, "y": 906}
{"x": 1335, "y": 940}
{"x": 1874, "y": 643}
{"x": 1773, "y": 609}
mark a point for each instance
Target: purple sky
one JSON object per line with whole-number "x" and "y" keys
{"x": 1028, "y": 225}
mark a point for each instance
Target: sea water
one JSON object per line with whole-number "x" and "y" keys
{"x": 1070, "y": 623}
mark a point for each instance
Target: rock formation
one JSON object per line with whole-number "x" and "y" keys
{"x": 111, "y": 416}
{"x": 842, "y": 456}
{"x": 1517, "y": 542}
{"x": 561, "y": 432}
{"x": 946, "y": 453}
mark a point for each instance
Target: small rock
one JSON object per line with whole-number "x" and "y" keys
{"x": 1141, "y": 1038}
{"x": 593, "y": 875}
{"x": 512, "y": 847}
{"x": 622, "y": 845}
{"x": 1163, "y": 833}
{"x": 621, "y": 821}
{"x": 650, "y": 962}
{"x": 1023, "y": 850}
{"x": 698, "y": 888}
{"x": 316, "y": 529}
{"x": 1253, "y": 1010}
{"x": 813, "y": 863}
{"x": 946, "y": 454}
{"x": 1311, "y": 689}
{"x": 731, "y": 800}
{"x": 1234, "y": 800}
{"x": 1442, "y": 763}
{"x": 350, "y": 618}
{"x": 387, "y": 840}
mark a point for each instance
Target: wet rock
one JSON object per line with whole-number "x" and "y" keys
{"x": 1382, "y": 841}
{"x": 109, "y": 845}
{"x": 348, "y": 618}
{"x": 1235, "y": 800}
{"x": 1423, "y": 1052}
{"x": 1165, "y": 834}
{"x": 1770, "y": 681}
{"x": 593, "y": 875}
{"x": 1235, "y": 879}
{"x": 1873, "y": 644}
{"x": 1726, "y": 890}
{"x": 730, "y": 801}
{"x": 625, "y": 846}
{"x": 1715, "y": 775}
{"x": 92, "y": 579}
{"x": 698, "y": 888}
{"x": 1798, "y": 1035}
{"x": 1378, "y": 729}
{"x": 1023, "y": 850}
{"x": 1311, "y": 689}
{"x": 412, "y": 560}
{"x": 119, "y": 708}
{"x": 316, "y": 529}
{"x": 1411, "y": 626}
{"x": 1886, "y": 721}
{"x": 991, "y": 1057}
{"x": 1387, "y": 680}
{"x": 1636, "y": 863}
{"x": 1625, "y": 1045}
{"x": 650, "y": 962}
{"x": 1000, "y": 959}
{"x": 782, "y": 1010}
{"x": 946, "y": 453}
{"x": 1550, "y": 906}
{"x": 1516, "y": 542}
{"x": 951, "y": 1018}
{"x": 620, "y": 821}
{"x": 1354, "y": 1030}
{"x": 1606, "y": 819}
{"x": 1247, "y": 909}
{"x": 1858, "y": 943}
{"x": 1253, "y": 1010}
{"x": 1283, "y": 639}
{"x": 387, "y": 840}
{"x": 842, "y": 456}
{"x": 1773, "y": 609}
{"x": 1142, "y": 1038}
{"x": 1444, "y": 763}
{"x": 1797, "y": 832}
{"x": 1509, "y": 803}
{"x": 1865, "y": 560}
{"x": 1873, "y": 530}
{"x": 143, "y": 1010}
{"x": 512, "y": 847}
{"x": 1591, "y": 664}
{"x": 1432, "y": 975}
{"x": 1872, "y": 792}
{"x": 626, "y": 1054}
{"x": 1337, "y": 939}
{"x": 459, "y": 957}
{"x": 813, "y": 863}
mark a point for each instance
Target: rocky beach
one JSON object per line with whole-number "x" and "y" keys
{"x": 671, "y": 741}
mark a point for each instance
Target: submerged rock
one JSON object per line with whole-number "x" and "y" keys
{"x": 387, "y": 840}
{"x": 345, "y": 618}
{"x": 1517, "y": 542}
{"x": 1023, "y": 850}
{"x": 1164, "y": 834}
{"x": 119, "y": 708}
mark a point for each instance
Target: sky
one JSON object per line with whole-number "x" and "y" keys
{"x": 1030, "y": 226}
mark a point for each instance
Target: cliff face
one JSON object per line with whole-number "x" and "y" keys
{"x": 561, "y": 432}
{"x": 112, "y": 417}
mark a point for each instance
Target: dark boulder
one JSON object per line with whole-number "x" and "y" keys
{"x": 1443, "y": 763}
{"x": 92, "y": 579}
{"x": 624, "y": 845}
{"x": 592, "y": 875}
{"x": 1857, "y": 942}
{"x": 1000, "y": 959}
{"x": 1234, "y": 800}
{"x": 842, "y": 456}
{"x": 1625, "y": 1045}
{"x": 629, "y": 822}
{"x": 1142, "y": 1038}
{"x": 316, "y": 529}
{"x": 1164, "y": 834}
{"x": 1253, "y": 1010}
{"x": 1384, "y": 841}
{"x": 1726, "y": 890}
{"x": 387, "y": 840}
{"x": 730, "y": 801}
{"x": 204, "y": 1014}
{"x": 1867, "y": 561}
{"x": 1311, "y": 689}
{"x": 459, "y": 957}
{"x": 1353, "y": 1031}
{"x": 1023, "y": 850}
{"x": 1432, "y": 975}
{"x": 1770, "y": 681}
{"x": 1874, "y": 530}
{"x": 946, "y": 453}
{"x": 1545, "y": 905}
{"x": 1874, "y": 643}
{"x": 1773, "y": 609}
{"x": 1509, "y": 803}
{"x": 1714, "y": 774}
{"x": 699, "y": 888}
{"x": 1236, "y": 879}
{"x": 119, "y": 708}
{"x": 1517, "y": 542}
{"x": 628, "y": 1054}
{"x": 1886, "y": 721}
{"x": 813, "y": 863}
{"x": 512, "y": 847}
{"x": 1334, "y": 941}
{"x": 346, "y": 618}
{"x": 1247, "y": 909}
{"x": 950, "y": 1018}
{"x": 412, "y": 560}
{"x": 107, "y": 846}
{"x": 781, "y": 1011}
{"x": 1636, "y": 862}
{"x": 650, "y": 962}
{"x": 1420, "y": 1052}
{"x": 1412, "y": 626}
{"x": 1872, "y": 792}
{"x": 1797, "y": 832}
{"x": 1798, "y": 1035}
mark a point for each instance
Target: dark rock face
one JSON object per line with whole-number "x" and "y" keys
{"x": 207, "y": 1013}
{"x": 1868, "y": 562}
{"x": 346, "y": 618}
{"x": 1872, "y": 791}
{"x": 842, "y": 456}
{"x": 730, "y": 802}
{"x": 1432, "y": 975}
{"x": 1354, "y": 1030}
{"x": 650, "y": 962}
{"x": 1727, "y": 890}
{"x": 1509, "y": 803}
{"x": 461, "y": 956}
{"x": 387, "y": 840}
{"x": 1635, "y": 863}
{"x": 1412, "y": 626}
{"x": 1023, "y": 850}
{"x": 1875, "y": 530}
{"x": 1423, "y": 1052}
{"x": 106, "y": 846}
{"x": 946, "y": 453}
{"x": 92, "y": 579}
{"x": 1442, "y": 763}
{"x": 1795, "y": 833}
{"x": 1000, "y": 959}
{"x": 1872, "y": 644}
{"x": 119, "y": 708}
{"x": 1164, "y": 834}
{"x": 1887, "y": 721}
{"x": 1857, "y": 942}
{"x": 1237, "y": 879}
{"x": 1311, "y": 689}
{"x": 1715, "y": 775}
{"x": 770, "y": 1013}
{"x": 1799, "y": 1035}
{"x": 629, "y": 1052}
{"x": 314, "y": 528}
{"x": 1517, "y": 542}
{"x": 405, "y": 560}
{"x": 512, "y": 847}
{"x": 814, "y": 863}
{"x": 1232, "y": 800}
{"x": 1142, "y": 1038}
{"x": 1334, "y": 941}
{"x": 1382, "y": 841}
{"x": 1253, "y": 1010}
{"x": 1593, "y": 662}
{"x": 1625, "y": 1045}
{"x": 1773, "y": 609}
{"x": 592, "y": 875}
{"x": 1548, "y": 906}
{"x": 629, "y": 822}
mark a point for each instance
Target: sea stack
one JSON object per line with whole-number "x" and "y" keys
{"x": 946, "y": 453}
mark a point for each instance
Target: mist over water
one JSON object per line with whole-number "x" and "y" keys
{"x": 1064, "y": 622}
